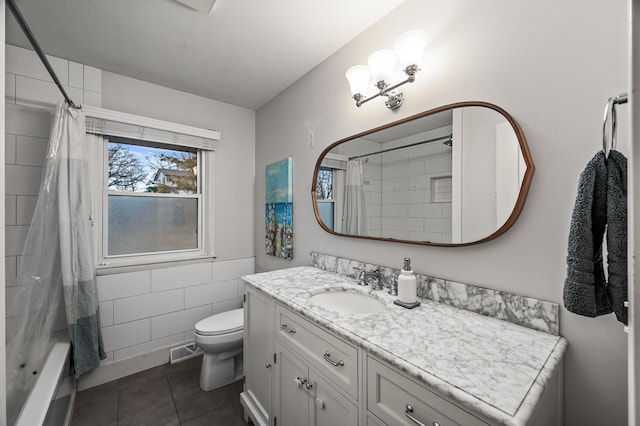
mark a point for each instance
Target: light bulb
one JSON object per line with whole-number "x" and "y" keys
{"x": 359, "y": 77}
{"x": 382, "y": 63}
{"x": 410, "y": 47}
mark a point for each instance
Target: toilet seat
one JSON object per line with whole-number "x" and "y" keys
{"x": 222, "y": 323}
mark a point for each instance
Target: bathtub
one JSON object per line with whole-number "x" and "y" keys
{"x": 50, "y": 401}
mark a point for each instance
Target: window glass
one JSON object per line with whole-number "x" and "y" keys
{"x": 152, "y": 200}
{"x": 139, "y": 168}
{"x": 151, "y": 224}
{"x": 324, "y": 186}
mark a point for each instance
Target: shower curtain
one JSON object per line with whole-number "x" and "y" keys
{"x": 354, "y": 218}
{"x": 56, "y": 273}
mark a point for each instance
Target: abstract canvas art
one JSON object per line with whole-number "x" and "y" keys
{"x": 279, "y": 209}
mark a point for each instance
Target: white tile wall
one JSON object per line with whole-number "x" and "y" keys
{"x": 10, "y": 270}
{"x": 76, "y": 75}
{"x": 407, "y": 203}
{"x": 178, "y": 322}
{"x": 10, "y": 202}
{"x": 25, "y": 206}
{"x": 181, "y": 276}
{"x": 30, "y": 151}
{"x": 10, "y": 88}
{"x": 92, "y": 79}
{"x": 42, "y": 94}
{"x": 106, "y": 313}
{"x": 24, "y": 180}
{"x": 232, "y": 269}
{"x": 27, "y": 121}
{"x": 128, "y": 334}
{"x": 26, "y": 63}
{"x": 210, "y": 293}
{"x": 147, "y": 305}
{"x": 9, "y": 149}
{"x": 14, "y": 239}
{"x": 129, "y": 284}
{"x": 141, "y": 312}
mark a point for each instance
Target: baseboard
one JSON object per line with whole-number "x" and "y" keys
{"x": 117, "y": 370}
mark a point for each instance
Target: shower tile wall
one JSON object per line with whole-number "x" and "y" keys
{"x": 28, "y": 91}
{"x": 142, "y": 313}
{"x": 408, "y": 208}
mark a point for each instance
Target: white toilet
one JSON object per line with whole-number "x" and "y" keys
{"x": 220, "y": 337}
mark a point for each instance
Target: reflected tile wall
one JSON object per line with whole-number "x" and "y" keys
{"x": 521, "y": 310}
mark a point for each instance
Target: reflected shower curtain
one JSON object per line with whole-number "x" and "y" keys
{"x": 339, "y": 183}
{"x": 354, "y": 218}
{"x": 56, "y": 273}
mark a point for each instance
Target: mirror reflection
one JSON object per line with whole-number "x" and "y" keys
{"x": 455, "y": 175}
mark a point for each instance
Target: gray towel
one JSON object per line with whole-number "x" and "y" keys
{"x": 617, "y": 233}
{"x": 585, "y": 285}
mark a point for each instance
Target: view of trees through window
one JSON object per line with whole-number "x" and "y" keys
{"x": 324, "y": 184}
{"x": 138, "y": 168}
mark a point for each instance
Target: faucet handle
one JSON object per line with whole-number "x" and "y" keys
{"x": 361, "y": 275}
{"x": 393, "y": 290}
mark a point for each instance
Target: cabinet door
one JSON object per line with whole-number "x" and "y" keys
{"x": 328, "y": 406}
{"x": 291, "y": 389}
{"x": 259, "y": 312}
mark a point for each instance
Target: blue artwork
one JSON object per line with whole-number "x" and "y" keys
{"x": 279, "y": 209}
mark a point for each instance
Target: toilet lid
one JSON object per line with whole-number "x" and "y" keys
{"x": 222, "y": 323}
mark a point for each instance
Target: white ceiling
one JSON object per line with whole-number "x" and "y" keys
{"x": 244, "y": 53}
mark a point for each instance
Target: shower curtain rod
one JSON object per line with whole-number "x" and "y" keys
{"x": 27, "y": 32}
{"x": 448, "y": 139}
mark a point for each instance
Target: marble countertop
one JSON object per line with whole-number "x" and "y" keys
{"x": 486, "y": 365}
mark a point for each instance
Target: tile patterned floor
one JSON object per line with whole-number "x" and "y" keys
{"x": 168, "y": 395}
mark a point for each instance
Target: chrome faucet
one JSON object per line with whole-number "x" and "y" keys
{"x": 372, "y": 278}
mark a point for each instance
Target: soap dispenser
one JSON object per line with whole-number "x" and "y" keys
{"x": 407, "y": 284}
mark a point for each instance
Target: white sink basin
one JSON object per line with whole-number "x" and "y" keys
{"x": 347, "y": 302}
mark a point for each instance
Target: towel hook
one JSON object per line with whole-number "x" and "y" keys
{"x": 610, "y": 110}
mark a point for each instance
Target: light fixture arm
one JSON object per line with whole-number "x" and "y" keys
{"x": 394, "y": 99}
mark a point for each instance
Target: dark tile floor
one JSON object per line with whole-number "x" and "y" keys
{"x": 168, "y": 395}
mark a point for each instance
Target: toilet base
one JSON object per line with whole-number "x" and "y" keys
{"x": 216, "y": 373}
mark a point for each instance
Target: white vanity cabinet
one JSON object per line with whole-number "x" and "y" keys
{"x": 397, "y": 400}
{"x": 259, "y": 319}
{"x": 303, "y": 397}
{"x": 308, "y": 366}
{"x": 308, "y": 359}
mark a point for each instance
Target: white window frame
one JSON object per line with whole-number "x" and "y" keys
{"x": 100, "y": 191}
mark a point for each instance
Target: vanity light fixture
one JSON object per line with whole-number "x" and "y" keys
{"x": 407, "y": 52}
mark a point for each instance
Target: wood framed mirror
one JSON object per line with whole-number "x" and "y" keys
{"x": 455, "y": 175}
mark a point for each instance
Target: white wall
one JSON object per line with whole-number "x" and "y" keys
{"x": 547, "y": 66}
{"x": 146, "y": 311}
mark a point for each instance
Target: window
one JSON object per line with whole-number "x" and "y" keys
{"x": 153, "y": 197}
{"x": 324, "y": 196}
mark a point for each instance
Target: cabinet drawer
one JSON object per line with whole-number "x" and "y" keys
{"x": 337, "y": 360}
{"x": 389, "y": 393}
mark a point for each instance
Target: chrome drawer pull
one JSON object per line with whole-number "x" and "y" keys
{"x": 407, "y": 412}
{"x": 286, "y": 328}
{"x": 327, "y": 358}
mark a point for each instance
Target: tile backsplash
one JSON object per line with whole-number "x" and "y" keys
{"x": 521, "y": 310}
